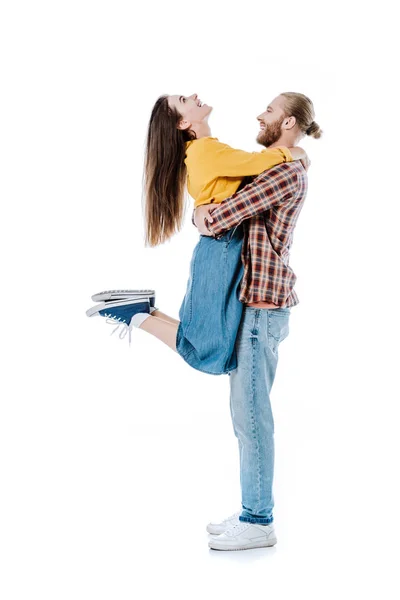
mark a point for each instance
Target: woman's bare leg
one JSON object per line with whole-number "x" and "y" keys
{"x": 164, "y": 317}
{"x": 163, "y": 330}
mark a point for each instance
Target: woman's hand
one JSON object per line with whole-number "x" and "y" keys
{"x": 306, "y": 162}
{"x": 203, "y": 212}
{"x": 301, "y": 155}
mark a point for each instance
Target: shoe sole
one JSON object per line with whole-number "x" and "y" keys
{"x": 96, "y": 309}
{"x": 214, "y": 545}
{"x": 120, "y": 294}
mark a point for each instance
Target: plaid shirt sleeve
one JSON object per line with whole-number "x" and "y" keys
{"x": 271, "y": 188}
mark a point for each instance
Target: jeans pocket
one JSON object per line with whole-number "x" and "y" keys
{"x": 278, "y": 328}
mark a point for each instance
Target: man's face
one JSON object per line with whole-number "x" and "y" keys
{"x": 271, "y": 122}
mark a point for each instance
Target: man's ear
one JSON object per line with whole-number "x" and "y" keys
{"x": 183, "y": 124}
{"x": 289, "y": 122}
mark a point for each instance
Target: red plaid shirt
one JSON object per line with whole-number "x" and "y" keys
{"x": 269, "y": 208}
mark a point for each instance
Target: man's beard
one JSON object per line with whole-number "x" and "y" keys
{"x": 271, "y": 133}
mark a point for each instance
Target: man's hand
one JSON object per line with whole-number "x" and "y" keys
{"x": 203, "y": 212}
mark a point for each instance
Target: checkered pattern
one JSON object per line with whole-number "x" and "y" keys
{"x": 269, "y": 207}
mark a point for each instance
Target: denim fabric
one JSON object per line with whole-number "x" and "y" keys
{"x": 211, "y": 311}
{"x": 259, "y": 336}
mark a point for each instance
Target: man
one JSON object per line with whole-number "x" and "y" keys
{"x": 268, "y": 208}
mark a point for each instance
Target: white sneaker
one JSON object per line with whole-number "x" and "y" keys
{"x": 218, "y": 528}
{"x": 244, "y": 536}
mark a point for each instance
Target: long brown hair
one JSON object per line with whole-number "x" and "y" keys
{"x": 164, "y": 173}
{"x": 301, "y": 107}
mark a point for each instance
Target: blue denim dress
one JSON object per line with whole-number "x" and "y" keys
{"x": 211, "y": 311}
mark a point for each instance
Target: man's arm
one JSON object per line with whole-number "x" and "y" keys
{"x": 271, "y": 188}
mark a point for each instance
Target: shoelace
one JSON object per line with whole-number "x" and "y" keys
{"x": 125, "y": 328}
{"x": 236, "y": 529}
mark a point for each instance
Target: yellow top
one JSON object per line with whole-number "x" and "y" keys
{"x": 215, "y": 170}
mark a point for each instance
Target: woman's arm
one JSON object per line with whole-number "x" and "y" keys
{"x": 225, "y": 161}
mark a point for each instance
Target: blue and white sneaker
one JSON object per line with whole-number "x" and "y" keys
{"x": 120, "y": 313}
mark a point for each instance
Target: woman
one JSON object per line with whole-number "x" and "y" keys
{"x": 181, "y": 151}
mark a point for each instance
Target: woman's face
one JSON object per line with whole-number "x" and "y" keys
{"x": 191, "y": 109}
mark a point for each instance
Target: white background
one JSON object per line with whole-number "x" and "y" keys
{"x": 114, "y": 459}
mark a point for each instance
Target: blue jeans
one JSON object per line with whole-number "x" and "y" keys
{"x": 211, "y": 311}
{"x": 260, "y": 333}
